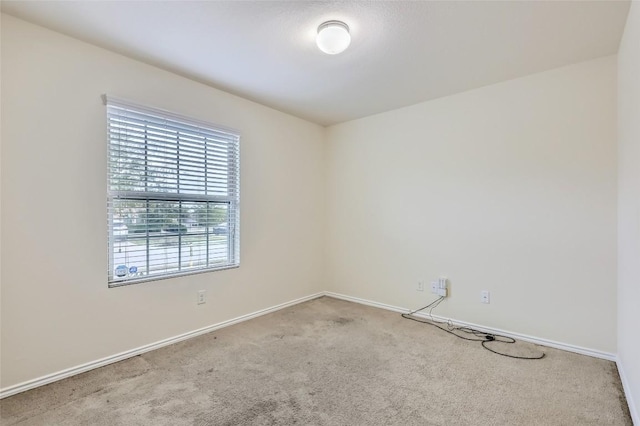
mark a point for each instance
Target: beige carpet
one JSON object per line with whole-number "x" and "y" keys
{"x": 331, "y": 362}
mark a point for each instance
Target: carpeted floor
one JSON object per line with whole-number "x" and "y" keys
{"x": 331, "y": 362}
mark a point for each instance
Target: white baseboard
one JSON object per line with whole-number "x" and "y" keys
{"x": 50, "y": 378}
{"x": 537, "y": 340}
{"x": 635, "y": 417}
{"x": 53, "y": 377}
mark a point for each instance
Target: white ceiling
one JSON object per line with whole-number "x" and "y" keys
{"x": 402, "y": 52}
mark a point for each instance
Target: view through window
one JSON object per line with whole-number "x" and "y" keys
{"x": 173, "y": 194}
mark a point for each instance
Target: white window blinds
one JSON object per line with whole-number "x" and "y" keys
{"x": 173, "y": 194}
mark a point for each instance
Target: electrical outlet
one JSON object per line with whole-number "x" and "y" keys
{"x": 442, "y": 282}
{"x": 484, "y": 296}
{"x": 434, "y": 287}
{"x": 442, "y": 287}
{"x": 420, "y": 286}
{"x": 202, "y": 297}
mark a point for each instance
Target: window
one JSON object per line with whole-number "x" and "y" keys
{"x": 173, "y": 194}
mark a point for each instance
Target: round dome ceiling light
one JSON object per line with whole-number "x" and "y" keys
{"x": 333, "y": 37}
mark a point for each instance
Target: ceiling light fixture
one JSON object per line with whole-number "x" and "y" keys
{"x": 333, "y": 37}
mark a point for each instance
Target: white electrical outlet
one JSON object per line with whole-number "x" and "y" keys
{"x": 420, "y": 286}
{"x": 484, "y": 296}
{"x": 441, "y": 287}
{"x": 442, "y": 282}
{"x": 434, "y": 287}
{"x": 202, "y": 297}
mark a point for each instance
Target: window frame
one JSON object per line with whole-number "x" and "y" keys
{"x": 231, "y": 200}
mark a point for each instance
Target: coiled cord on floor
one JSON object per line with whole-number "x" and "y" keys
{"x": 479, "y": 336}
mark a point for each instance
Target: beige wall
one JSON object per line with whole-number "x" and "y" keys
{"x": 629, "y": 209}
{"x": 510, "y": 188}
{"x": 57, "y": 311}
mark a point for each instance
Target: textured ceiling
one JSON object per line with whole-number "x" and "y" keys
{"x": 401, "y": 53}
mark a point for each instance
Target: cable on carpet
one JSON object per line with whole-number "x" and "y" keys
{"x": 478, "y": 336}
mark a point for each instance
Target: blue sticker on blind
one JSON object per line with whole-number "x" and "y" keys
{"x": 121, "y": 270}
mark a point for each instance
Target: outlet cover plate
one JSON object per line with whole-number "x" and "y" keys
{"x": 202, "y": 297}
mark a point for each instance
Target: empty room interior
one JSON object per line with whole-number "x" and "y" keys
{"x": 320, "y": 212}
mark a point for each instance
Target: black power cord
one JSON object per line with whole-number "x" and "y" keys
{"x": 479, "y": 336}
